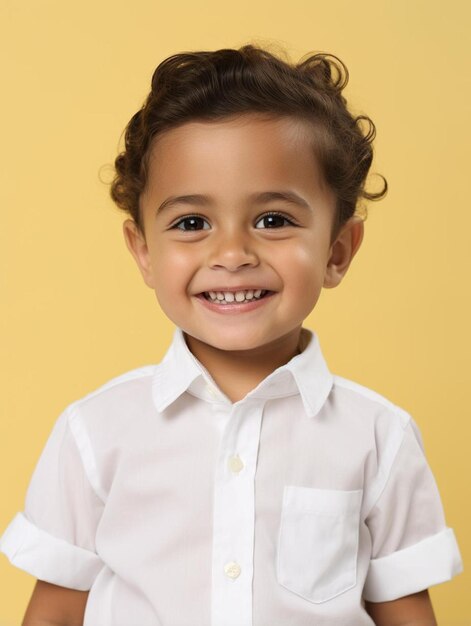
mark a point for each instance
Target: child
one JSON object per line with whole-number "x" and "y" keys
{"x": 238, "y": 482}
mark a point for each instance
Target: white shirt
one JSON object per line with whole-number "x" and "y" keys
{"x": 176, "y": 507}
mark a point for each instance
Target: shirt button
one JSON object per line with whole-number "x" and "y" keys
{"x": 235, "y": 464}
{"x": 232, "y": 569}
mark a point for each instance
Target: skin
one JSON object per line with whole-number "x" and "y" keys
{"x": 413, "y": 610}
{"x": 52, "y": 605}
{"x": 234, "y": 245}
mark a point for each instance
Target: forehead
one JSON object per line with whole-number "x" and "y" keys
{"x": 251, "y": 150}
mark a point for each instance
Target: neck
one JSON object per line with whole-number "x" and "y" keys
{"x": 237, "y": 372}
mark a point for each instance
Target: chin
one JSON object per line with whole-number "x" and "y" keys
{"x": 233, "y": 341}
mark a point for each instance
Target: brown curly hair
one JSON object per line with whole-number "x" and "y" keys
{"x": 213, "y": 85}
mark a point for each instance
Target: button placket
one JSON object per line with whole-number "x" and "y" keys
{"x": 234, "y": 516}
{"x": 235, "y": 464}
{"x": 232, "y": 569}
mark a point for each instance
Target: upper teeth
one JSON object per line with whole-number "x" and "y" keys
{"x": 238, "y": 296}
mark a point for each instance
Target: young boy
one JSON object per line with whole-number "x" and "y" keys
{"x": 238, "y": 482}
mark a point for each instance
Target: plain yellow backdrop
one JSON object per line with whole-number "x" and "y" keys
{"x": 75, "y": 312}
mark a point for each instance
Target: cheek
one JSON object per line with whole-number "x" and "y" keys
{"x": 303, "y": 270}
{"x": 172, "y": 271}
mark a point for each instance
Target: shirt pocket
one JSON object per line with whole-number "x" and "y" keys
{"x": 318, "y": 541}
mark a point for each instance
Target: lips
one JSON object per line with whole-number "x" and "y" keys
{"x": 234, "y": 301}
{"x": 239, "y": 295}
{"x": 225, "y": 289}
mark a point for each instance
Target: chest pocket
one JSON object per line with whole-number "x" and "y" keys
{"x": 318, "y": 542}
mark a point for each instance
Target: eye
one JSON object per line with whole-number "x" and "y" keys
{"x": 191, "y": 223}
{"x": 273, "y": 220}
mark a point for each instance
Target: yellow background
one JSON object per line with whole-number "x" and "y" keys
{"x": 75, "y": 312}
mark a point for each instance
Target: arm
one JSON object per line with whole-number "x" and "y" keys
{"x": 51, "y": 605}
{"x": 413, "y": 610}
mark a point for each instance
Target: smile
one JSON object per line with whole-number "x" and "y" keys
{"x": 234, "y": 302}
{"x": 228, "y": 297}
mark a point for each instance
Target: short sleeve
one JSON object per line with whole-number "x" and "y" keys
{"x": 412, "y": 547}
{"x": 54, "y": 538}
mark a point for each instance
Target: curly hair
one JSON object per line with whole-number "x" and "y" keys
{"x": 215, "y": 85}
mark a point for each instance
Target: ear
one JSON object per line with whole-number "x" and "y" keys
{"x": 343, "y": 250}
{"x": 137, "y": 246}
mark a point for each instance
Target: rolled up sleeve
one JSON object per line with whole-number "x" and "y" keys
{"x": 412, "y": 547}
{"x": 53, "y": 539}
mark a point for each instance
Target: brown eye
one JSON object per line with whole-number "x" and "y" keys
{"x": 191, "y": 222}
{"x": 273, "y": 220}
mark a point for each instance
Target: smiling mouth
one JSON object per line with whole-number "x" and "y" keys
{"x": 237, "y": 297}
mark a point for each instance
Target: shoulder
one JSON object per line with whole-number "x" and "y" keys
{"x": 111, "y": 419}
{"x": 385, "y": 427}
{"x": 383, "y": 423}
{"x": 367, "y": 402}
{"x": 133, "y": 387}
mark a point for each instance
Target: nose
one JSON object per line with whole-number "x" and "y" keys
{"x": 233, "y": 251}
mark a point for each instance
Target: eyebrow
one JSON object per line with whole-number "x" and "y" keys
{"x": 261, "y": 197}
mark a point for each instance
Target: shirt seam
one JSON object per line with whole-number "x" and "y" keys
{"x": 121, "y": 379}
{"x": 255, "y": 397}
{"x": 391, "y": 467}
{"x": 371, "y": 395}
{"x": 84, "y": 447}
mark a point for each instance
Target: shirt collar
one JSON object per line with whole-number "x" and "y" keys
{"x": 306, "y": 374}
